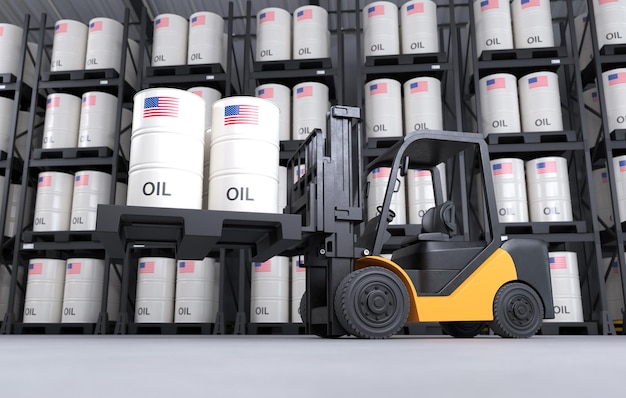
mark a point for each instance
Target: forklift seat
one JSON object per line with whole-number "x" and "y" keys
{"x": 439, "y": 222}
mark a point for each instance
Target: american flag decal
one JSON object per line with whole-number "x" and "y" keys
{"x": 265, "y": 266}
{"x": 35, "y": 268}
{"x": 162, "y": 106}
{"x": 44, "y": 181}
{"x": 146, "y": 267}
{"x": 73, "y": 268}
{"x": 186, "y": 267}
{"x": 60, "y": 28}
{"x": 82, "y": 179}
{"x": 241, "y": 114}
{"x": 558, "y": 262}
{"x": 95, "y": 26}
{"x": 503, "y": 168}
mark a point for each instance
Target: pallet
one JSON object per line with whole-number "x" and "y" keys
{"x": 72, "y": 153}
{"x": 406, "y": 59}
{"x": 7, "y": 78}
{"x": 170, "y": 328}
{"x": 60, "y": 236}
{"x": 569, "y": 328}
{"x": 613, "y": 49}
{"x": 618, "y": 135}
{"x": 276, "y": 328}
{"x": 184, "y": 70}
{"x": 531, "y": 137}
{"x": 54, "y": 328}
{"x": 573, "y": 227}
{"x": 293, "y": 64}
{"x": 103, "y": 74}
{"x": 523, "y": 53}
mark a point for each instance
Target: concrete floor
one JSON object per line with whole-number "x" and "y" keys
{"x": 303, "y": 366}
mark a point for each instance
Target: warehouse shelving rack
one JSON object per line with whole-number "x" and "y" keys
{"x": 610, "y": 145}
{"x": 65, "y": 244}
{"x": 187, "y": 76}
{"x": 582, "y": 235}
{"x": 11, "y": 162}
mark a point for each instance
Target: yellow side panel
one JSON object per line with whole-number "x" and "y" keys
{"x": 471, "y": 301}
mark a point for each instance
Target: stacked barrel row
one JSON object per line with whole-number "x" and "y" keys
{"x": 97, "y": 45}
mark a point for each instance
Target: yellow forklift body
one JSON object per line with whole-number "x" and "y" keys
{"x": 471, "y": 301}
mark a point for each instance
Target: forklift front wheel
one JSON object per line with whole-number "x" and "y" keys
{"x": 318, "y": 330}
{"x": 372, "y": 303}
{"x": 517, "y": 311}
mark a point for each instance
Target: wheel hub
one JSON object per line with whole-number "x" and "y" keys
{"x": 520, "y": 310}
{"x": 376, "y": 303}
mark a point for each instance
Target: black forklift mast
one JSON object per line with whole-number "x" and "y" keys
{"x": 329, "y": 197}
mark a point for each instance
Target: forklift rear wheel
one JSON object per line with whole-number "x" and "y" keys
{"x": 462, "y": 329}
{"x": 517, "y": 311}
{"x": 318, "y": 330}
{"x": 372, "y": 303}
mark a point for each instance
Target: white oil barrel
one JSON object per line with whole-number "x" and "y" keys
{"x": 547, "y": 184}
{"x": 97, "y": 120}
{"x": 510, "y": 189}
{"x": 205, "y": 38}
{"x": 91, "y": 188}
{"x": 532, "y": 23}
{"x": 493, "y": 25}
{"x": 10, "y": 46}
{"x": 310, "y": 104}
{"x": 82, "y": 296}
{"x": 565, "y": 287}
{"x": 614, "y": 83}
{"x": 273, "y": 35}
{"x": 156, "y": 280}
{"x": 169, "y": 44}
{"x": 603, "y": 197}
{"x": 209, "y": 95}
{"x": 5, "y": 285}
{"x": 281, "y": 96}
{"x": 422, "y": 105}
{"x": 499, "y": 105}
{"x": 14, "y": 205}
{"x": 298, "y": 286}
{"x": 377, "y": 186}
{"x": 540, "y": 102}
{"x": 421, "y": 194}
{"x": 310, "y": 33}
{"x": 418, "y": 23}
{"x": 383, "y": 108}
{"x": 115, "y": 292}
{"x": 244, "y": 155}
{"x": 619, "y": 168}
{"x": 592, "y": 115}
{"x": 53, "y": 202}
{"x": 44, "y": 290}
{"x": 62, "y": 121}
{"x": 610, "y": 18}
{"x": 269, "y": 291}
{"x": 195, "y": 301}
{"x": 380, "y": 29}
{"x": 167, "y": 149}
{"x": 69, "y": 47}
{"x": 6, "y": 120}
{"x": 614, "y": 293}
{"x": 583, "y": 40}
{"x": 104, "y": 44}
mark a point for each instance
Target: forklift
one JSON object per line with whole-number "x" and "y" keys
{"x": 465, "y": 276}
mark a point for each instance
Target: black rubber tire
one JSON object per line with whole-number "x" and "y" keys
{"x": 372, "y": 303}
{"x": 318, "y": 330}
{"x": 462, "y": 329}
{"x": 517, "y": 311}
